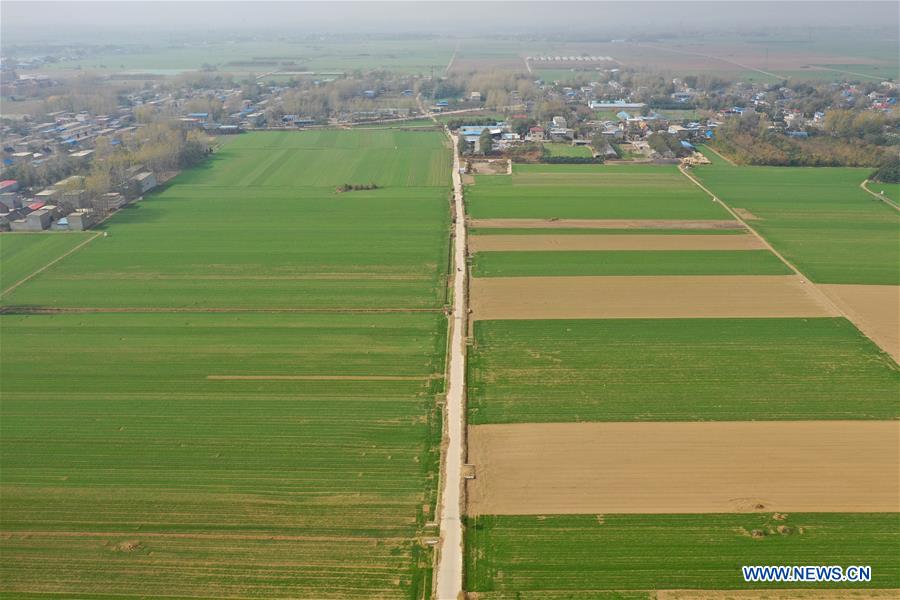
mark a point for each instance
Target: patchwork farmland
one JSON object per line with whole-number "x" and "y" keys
{"x": 655, "y": 396}
{"x": 667, "y": 377}
{"x": 244, "y": 393}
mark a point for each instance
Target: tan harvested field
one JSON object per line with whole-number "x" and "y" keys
{"x": 874, "y": 309}
{"x": 500, "y": 63}
{"x": 605, "y": 224}
{"x": 628, "y": 297}
{"x": 491, "y": 167}
{"x": 479, "y": 243}
{"x": 706, "y": 467}
{"x": 817, "y": 594}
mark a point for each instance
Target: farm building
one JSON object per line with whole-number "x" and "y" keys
{"x": 81, "y": 220}
{"x": 472, "y": 132}
{"x": 48, "y": 195}
{"x": 618, "y": 104}
{"x": 37, "y": 220}
{"x": 145, "y": 181}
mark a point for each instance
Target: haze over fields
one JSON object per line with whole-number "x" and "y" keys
{"x": 76, "y": 20}
{"x": 450, "y": 300}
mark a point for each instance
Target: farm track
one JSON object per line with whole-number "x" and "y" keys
{"x": 884, "y": 199}
{"x": 744, "y": 221}
{"x": 51, "y": 263}
{"x": 449, "y": 571}
{"x": 885, "y": 342}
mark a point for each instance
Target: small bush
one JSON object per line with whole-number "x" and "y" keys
{"x": 355, "y": 187}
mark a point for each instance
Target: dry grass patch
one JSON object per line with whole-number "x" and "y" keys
{"x": 706, "y": 467}
{"x": 817, "y": 594}
{"x": 875, "y": 309}
{"x": 623, "y": 297}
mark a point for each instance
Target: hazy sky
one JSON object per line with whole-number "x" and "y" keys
{"x": 73, "y": 20}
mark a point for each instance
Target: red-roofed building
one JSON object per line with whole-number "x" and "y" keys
{"x": 9, "y": 185}
{"x": 37, "y": 205}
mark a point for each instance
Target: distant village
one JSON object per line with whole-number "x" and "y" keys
{"x": 612, "y": 120}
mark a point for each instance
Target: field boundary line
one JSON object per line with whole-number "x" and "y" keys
{"x": 48, "y": 310}
{"x": 50, "y": 264}
{"x": 322, "y": 377}
{"x": 710, "y": 57}
{"x": 209, "y": 536}
{"x": 884, "y": 199}
{"x": 803, "y": 278}
{"x": 452, "y": 60}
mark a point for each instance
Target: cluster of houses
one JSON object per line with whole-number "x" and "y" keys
{"x": 63, "y": 134}
{"x": 65, "y": 205}
{"x": 625, "y": 128}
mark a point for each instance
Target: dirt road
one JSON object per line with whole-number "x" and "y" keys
{"x": 450, "y": 562}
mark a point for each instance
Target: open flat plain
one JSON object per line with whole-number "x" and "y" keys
{"x": 242, "y": 401}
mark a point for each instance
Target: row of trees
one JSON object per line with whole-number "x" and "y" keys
{"x": 667, "y": 145}
{"x": 748, "y": 140}
{"x": 889, "y": 172}
{"x": 159, "y": 147}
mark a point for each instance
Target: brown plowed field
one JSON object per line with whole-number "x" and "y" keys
{"x": 875, "y": 309}
{"x": 624, "y": 297}
{"x": 604, "y": 224}
{"x": 706, "y": 467}
{"x": 817, "y": 594}
{"x": 614, "y": 242}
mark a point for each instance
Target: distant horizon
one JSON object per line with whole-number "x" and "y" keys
{"x": 73, "y": 21}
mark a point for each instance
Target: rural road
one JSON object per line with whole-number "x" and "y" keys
{"x": 710, "y": 57}
{"x": 450, "y": 564}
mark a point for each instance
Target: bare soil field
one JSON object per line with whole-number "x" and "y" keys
{"x": 479, "y": 243}
{"x": 624, "y": 297}
{"x": 491, "y": 167}
{"x": 817, "y": 594}
{"x": 583, "y": 468}
{"x": 498, "y": 63}
{"x": 875, "y": 309}
{"x": 605, "y": 223}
